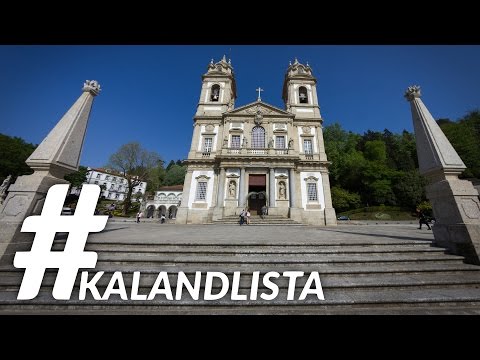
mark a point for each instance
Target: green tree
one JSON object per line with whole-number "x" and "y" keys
{"x": 344, "y": 200}
{"x": 77, "y": 178}
{"x": 135, "y": 164}
{"x": 409, "y": 188}
{"x": 339, "y": 146}
{"x": 156, "y": 178}
{"x": 375, "y": 151}
{"x": 175, "y": 175}
{"x": 170, "y": 164}
{"x": 13, "y": 153}
{"x": 464, "y": 135}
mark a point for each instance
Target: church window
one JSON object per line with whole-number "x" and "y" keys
{"x": 201, "y": 191}
{"x": 307, "y": 147}
{"x": 207, "y": 144}
{"x": 215, "y": 93}
{"x": 302, "y": 94}
{"x": 312, "y": 192}
{"x": 280, "y": 142}
{"x": 258, "y": 137}
{"x": 235, "y": 141}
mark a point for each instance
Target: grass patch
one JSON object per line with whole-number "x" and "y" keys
{"x": 380, "y": 213}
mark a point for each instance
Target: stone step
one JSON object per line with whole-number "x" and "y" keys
{"x": 438, "y": 308}
{"x": 257, "y": 220}
{"x": 255, "y": 244}
{"x": 206, "y": 250}
{"x": 12, "y": 280}
{"x": 322, "y": 268}
{"x": 372, "y": 297}
{"x": 256, "y": 224}
{"x": 276, "y": 258}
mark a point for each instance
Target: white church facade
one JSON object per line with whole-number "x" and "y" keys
{"x": 257, "y": 155}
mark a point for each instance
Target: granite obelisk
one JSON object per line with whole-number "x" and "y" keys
{"x": 455, "y": 202}
{"x": 57, "y": 155}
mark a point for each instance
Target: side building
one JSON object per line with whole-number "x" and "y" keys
{"x": 165, "y": 202}
{"x": 257, "y": 154}
{"x": 115, "y": 186}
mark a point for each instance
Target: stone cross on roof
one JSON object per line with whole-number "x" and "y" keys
{"x": 259, "y": 89}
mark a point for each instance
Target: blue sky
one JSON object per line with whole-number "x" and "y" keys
{"x": 150, "y": 92}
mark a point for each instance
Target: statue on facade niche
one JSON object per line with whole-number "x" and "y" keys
{"x": 245, "y": 142}
{"x": 225, "y": 142}
{"x": 281, "y": 190}
{"x": 232, "y": 189}
{"x": 290, "y": 144}
{"x": 270, "y": 143}
{"x": 4, "y": 187}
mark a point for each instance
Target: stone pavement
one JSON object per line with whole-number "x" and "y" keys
{"x": 154, "y": 232}
{"x": 364, "y": 269}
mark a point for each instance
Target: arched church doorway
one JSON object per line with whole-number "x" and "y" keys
{"x": 257, "y": 193}
{"x": 150, "y": 210}
{"x": 255, "y": 202}
{"x": 172, "y": 212}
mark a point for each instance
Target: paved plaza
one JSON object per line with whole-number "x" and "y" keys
{"x": 154, "y": 232}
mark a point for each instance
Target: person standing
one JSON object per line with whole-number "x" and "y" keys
{"x": 248, "y": 217}
{"x": 264, "y": 211}
{"x": 422, "y": 220}
{"x": 242, "y": 217}
{"x": 138, "y": 216}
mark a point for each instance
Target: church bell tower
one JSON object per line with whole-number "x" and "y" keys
{"x": 300, "y": 92}
{"x": 218, "y": 92}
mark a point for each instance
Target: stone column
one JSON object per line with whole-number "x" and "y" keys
{"x": 221, "y": 188}
{"x": 271, "y": 193}
{"x": 182, "y": 213}
{"x": 195, "y": 140}
{"x": 241, "y": 193}
{"x": 330, "y": 214}
{"x": 320, "y": 143}
{"x": 57, "y": 155}
{"x": 455, "y": 202}
{"x": 291, "y": 183}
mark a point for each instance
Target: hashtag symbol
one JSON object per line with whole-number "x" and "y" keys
{"x": 45, "y": 226}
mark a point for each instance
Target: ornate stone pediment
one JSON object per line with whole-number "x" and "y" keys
{"x": 281, "y": 177}
{"x": 311, "y": 178}
{"x": 258, "y": 109}
{"x": 202, "y": 177}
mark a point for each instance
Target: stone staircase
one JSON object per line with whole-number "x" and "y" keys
{"x": 359, "y": 276}
{"x": 257, "y": 220}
